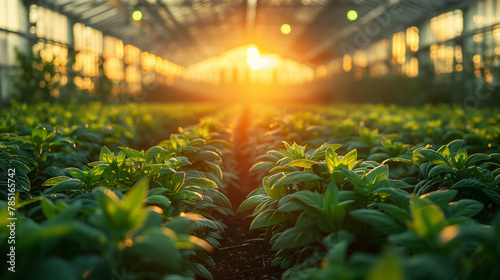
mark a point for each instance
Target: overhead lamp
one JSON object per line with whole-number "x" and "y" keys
{"x": 286, "y": 29}
{"x": 137, "y": 15}
{"x": 352, "y": 15}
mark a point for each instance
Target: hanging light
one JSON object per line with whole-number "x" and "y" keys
{"x": 286, "y": 29}
{"x": 137, "y": 15}
{"x": 352, "y": 15}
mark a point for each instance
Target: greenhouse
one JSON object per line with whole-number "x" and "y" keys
{"x": 249, "y": 139}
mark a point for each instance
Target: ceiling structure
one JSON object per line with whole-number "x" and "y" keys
{"x": 188, "y": 31}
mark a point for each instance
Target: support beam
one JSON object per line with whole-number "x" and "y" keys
{"x": 96, "y": 19}
{"x": 180, "y": 31}
{"x": 250, "y": 16}
{"x": 349, "y": 30}
{"x": 141, "y": 24}
{"x": 102, "y": 8}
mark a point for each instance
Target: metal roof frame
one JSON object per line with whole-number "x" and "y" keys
{"x": 188, "y": 31}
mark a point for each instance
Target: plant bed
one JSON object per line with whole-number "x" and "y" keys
{"x": 345, "y": 191}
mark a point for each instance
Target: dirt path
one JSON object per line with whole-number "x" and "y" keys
{"x": 243, "y": 254}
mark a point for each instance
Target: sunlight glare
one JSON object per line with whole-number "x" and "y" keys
{"x": 256, "y": 61}
{"x": 253, "y": 53}
{"x": 249, "y": 64}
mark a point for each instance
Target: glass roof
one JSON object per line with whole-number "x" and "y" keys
{"x": 189, "y": 31}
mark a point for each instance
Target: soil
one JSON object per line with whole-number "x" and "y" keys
{"x": 243, "y": 254}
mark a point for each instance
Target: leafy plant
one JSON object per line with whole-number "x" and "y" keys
{"x": 451, "y": 167}
{"x": 118, "y": 233}
{"x": 309, "y": 194}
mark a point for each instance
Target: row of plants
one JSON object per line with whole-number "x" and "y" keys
{"x": 95, "y": 125}
{"x": 370, "y": 190}
{"x": 462, "y": 87}
{"x": 406, "y": 195}
{"x": 140, "y": 214}
{"x": 363, "y": 126}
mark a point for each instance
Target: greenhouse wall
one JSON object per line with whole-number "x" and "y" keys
{"x": 459, "y": 47}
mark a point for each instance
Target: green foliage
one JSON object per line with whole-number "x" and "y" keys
{"x": 405, "y": 194}
{"x": 309, "y": 193}
{"x": 36, "y": 157}
{"x": 450, "y": 167}
{"x": 435, "y": 244}
{"x": 91, "y": 208}
{"x": 31, "y": 77}
{"x": 110, "y": 234}
{"x": 413, "y": 185}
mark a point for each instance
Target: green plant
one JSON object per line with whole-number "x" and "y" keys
{"x": 43, "y": 153}
{"x": 309, "y": 194}
{"x": 451, "y": 168}
{"x": 439, "y": 240}
{"x": 388, "y": 150}
{"x": 110, "y": 234}
{"x": 10, "y": 159}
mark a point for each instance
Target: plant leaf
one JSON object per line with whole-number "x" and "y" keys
{"x": 463, "y": 208}
{"x": 378, "y": 220}
{"x": 66, "y": 185}
{"x": 296, "y": 177}
{"x": 295, "y": 237}
{"x": 269, "y": 218}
